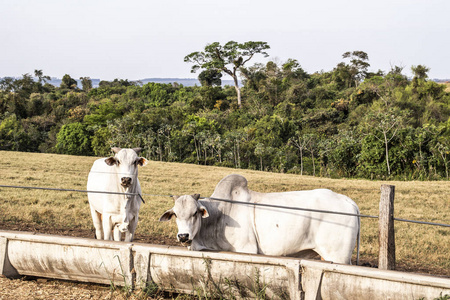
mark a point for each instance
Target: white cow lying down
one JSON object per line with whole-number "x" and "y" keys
{"x": 112, "y": 212}
{"x": 218, "y": 225}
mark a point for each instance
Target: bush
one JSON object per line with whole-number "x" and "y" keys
{"x": 73, "y": 139}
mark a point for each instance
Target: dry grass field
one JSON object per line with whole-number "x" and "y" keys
{"x": 447, "y": 84}
{"x": 420, "y": 248}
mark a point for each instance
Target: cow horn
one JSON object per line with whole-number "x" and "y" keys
{"x": 196, "y": 196}
{"x": 137, "y": 150}
{"x": 116, "y": 149}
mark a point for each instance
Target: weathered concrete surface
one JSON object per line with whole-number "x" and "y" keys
{"x": 322, "y": 280}
{"x": 219, "y": 273}
{"x": 65, "y": 258}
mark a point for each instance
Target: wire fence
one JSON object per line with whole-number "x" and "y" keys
{"x": 71, "y": 190}
{"x": 229, "y": 201}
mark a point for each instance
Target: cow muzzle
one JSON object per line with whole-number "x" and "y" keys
{"x": 184, "y": 238}
{"x": 123, "y": 227}
{"x": 125, "y": 182}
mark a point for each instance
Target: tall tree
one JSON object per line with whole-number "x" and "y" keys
{"x": 301, "y": 141}
{"x": 41, "y": 77}
{"x": 385, "y": 121}
{"x": 420, "y": 74}
{"x": 86, "y": 83}
{"x": 68, "y": 82}
{"x": 357, "y": 69}
{"x": 228, "y": 58}
{"x": 420, "y": 71}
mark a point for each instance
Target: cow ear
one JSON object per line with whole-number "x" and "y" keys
{"x": 167, "y": 216}
{"x": 204, "y": 212}
{"x": 196, "y": 196}
{"x": 110, "y": 161}
{"x": 142, "y": 161}
{"x": 116, "y": 149}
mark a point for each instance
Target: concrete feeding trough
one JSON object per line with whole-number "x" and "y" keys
{"x": 179, "y": 270}
{"x": 65, "y": 258}
{"x": 240, "y": 275}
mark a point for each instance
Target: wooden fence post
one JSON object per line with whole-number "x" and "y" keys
{"x": 386, "y": 256}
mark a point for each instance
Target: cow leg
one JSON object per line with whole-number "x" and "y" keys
{"x": 97, "y": 219}
{"x": 129, "y": 235}
{"x": 341, "y": 256}
{"x": 117, "y": 233}
{"x": 107, "y": 227}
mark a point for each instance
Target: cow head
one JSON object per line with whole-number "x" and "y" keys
{"x": 126, "y": 162}
{"x": 188, "y": 212}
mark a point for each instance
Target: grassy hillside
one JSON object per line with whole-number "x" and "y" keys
{"x": 419, "y": 247}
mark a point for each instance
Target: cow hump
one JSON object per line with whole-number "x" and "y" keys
{"x": 231, "y": 187}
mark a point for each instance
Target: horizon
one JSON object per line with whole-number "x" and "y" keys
{"x": 95, "y": 81}
{"x": 155, "y": 79}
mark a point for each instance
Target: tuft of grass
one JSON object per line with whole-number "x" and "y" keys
{"x": 418, "y": 247}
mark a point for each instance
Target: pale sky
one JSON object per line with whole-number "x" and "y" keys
{"x": 137, "y": 39}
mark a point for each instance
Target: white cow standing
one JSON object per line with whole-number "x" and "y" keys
{"x": 224, "y": 226}
{"x": 114, "y": 212}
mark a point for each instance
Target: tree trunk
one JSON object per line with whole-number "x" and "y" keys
{"x": 387, "y": 154}
{"x": 196, "y": 151}
{"x": 238, "y": 90}
{"x": 444, "y": 160}
{"x": 160, "y": 150}
{"x": 238, "y": 155}
{"x": 301, "y": 161}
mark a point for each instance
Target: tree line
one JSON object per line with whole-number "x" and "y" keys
{"x": 346, "y": 122}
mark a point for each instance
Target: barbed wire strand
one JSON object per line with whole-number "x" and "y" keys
{"x": 230, "y": 201}
{"x": 70, "y": 190}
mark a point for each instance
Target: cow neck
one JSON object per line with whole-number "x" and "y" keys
{"x": 212, "y": 209}
{"x": 211, "y": 233}
{"x": 124, "y": 210}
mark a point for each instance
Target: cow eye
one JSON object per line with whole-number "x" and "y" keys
{"x": 195, "y": 214}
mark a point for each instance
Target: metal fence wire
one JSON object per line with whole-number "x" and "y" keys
{"x": 229, "y": 201}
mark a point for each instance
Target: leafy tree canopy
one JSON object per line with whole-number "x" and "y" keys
{"x": 227, "y": 58}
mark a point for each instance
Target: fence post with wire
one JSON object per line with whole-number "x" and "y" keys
{"x": 386, "y": 234}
